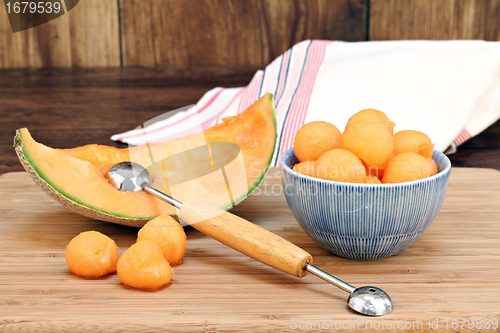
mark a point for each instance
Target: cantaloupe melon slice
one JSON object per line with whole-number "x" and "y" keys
{"x": 76, "y": 177}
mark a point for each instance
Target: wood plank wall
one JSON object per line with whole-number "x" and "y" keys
{"x": 438, "y": 19}
{"x": 87, "y": 36}
{"x": 110, "y": 33}
{"x": 222, "y": 32}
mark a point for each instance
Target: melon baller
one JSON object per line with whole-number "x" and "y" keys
{"x": 250, "y": 239}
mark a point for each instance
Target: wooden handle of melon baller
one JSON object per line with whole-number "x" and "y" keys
{"x": 246, "y": 237}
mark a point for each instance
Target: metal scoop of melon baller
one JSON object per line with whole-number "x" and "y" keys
{"x": 251, "y": 240}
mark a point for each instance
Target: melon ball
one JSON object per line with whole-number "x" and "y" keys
{"x": 91, "y": 255}
{"x": 406, "y": 167}
{"x": 371, "y": 180}
{"x": 414, "y": 142}
{"x": 371, "y": 115}
{"x": 370, "y": 141}
{"x": 142, "y": 266}
{"x": 340, "y": 165}
{"x": 314, "y": 139}
{"x": 305, "y": 168}
{"x": 169, "y": 235}
{"x": 434, "y": 168}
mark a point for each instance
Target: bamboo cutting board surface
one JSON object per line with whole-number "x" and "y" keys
{"x": 451, "y": 272}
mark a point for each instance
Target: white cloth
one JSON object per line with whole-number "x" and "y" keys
{"x": 449, "y": 90}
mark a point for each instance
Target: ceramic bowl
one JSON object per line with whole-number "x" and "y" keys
{"x": 364, "y": 221}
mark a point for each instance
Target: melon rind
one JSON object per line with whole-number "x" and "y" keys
{"x": 74, "y": 205}
{"x": 264, "y": 172}
{"x": 40, "y": 179}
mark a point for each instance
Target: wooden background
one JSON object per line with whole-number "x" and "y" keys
{"x": 167, "y": 33}
{"x": 161, "y": 55}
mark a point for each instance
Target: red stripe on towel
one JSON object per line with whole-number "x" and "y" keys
{"x": 213, "y": 120}
{"x": 462, "y": 137}
{"x": 250, "y": 93}
{"x": 221, "y": 113}
{"x": 298, "y": 110}
{"x": 210, "y": 101}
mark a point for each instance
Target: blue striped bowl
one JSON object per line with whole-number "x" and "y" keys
{"x": 364, "y": 221}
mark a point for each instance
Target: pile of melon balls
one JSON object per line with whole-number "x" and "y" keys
{"x": 367, "y": 152}
{"x": 146, "y": 264}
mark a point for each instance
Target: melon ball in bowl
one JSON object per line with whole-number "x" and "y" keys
{"x": 364, "y": 220}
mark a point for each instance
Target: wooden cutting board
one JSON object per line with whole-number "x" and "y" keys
{"x": 451, "y": 272}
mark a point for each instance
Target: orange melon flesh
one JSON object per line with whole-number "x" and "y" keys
{"x": 76, "y": 177}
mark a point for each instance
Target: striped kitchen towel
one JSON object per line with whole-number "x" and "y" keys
{"x": 448, "y": 89}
